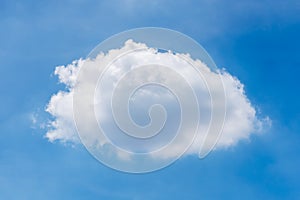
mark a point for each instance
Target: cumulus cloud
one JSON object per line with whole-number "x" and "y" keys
{"x": 241, "y": 117}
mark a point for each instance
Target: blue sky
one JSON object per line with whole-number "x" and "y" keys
{"x": 257, "y": 41}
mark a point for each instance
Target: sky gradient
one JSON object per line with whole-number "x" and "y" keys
{"x": 257, "y": 41}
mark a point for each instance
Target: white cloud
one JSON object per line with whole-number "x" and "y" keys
{"x": 241, "y": 117}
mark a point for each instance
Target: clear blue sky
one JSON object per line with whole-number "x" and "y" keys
{"x": 257, "y": 41}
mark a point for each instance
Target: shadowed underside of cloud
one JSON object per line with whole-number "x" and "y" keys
{"x": 241, "y": 117}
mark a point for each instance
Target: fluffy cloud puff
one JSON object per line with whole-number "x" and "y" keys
{"x": 241, "y": 117}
